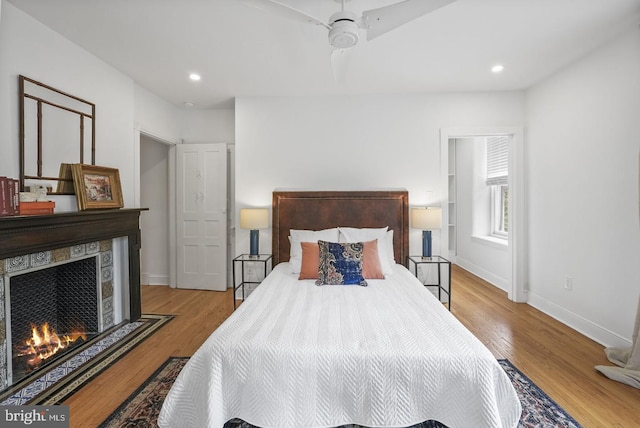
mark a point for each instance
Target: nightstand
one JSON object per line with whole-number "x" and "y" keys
{"x": 440, "y": 263}
{"x": 245, "y": 270}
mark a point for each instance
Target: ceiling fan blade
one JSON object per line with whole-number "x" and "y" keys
{"x": 339, "y": 61}
{"x": 384, "y": 19}
{"x": 285, "y": 11}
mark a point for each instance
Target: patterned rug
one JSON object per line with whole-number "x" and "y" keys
{"x": 55, "y": 383}
{"x": 142, "y": 407}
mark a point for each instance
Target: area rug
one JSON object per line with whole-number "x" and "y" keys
{"x": 143, "y": 406}
{"x": 60, "y": 380}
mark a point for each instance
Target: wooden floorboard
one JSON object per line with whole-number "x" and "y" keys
{"x": 558, "y": 359}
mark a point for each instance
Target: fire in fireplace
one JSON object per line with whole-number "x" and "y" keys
{"x": 44, "y": 343}
{"x": 52, "y": 311}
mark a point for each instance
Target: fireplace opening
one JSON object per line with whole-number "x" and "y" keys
{"x": 53, "y": 311}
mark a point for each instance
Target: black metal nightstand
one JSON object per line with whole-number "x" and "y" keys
{"x": 249, "y": 260}
{"x": 440, "y": 262}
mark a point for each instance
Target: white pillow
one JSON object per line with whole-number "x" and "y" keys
{"x": 298, "y": 236}
{"x": 390, "y": 251}
{"x": 352, "y": 234}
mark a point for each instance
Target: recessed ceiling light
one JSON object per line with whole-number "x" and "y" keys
{"x": 194, "y": 76}
{"x": 497, "y": 68}
{"x": 188, "y": 104}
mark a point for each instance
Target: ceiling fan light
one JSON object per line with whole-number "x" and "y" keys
{"x": 344, "y": 34}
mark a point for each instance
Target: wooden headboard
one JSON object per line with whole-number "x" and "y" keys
{"x": 322, "y": 210}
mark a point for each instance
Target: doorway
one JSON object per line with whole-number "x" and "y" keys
{"x": 515, "y": 286}
{"x": 155, "y": 223}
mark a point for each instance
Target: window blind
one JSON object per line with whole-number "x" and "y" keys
{"x": 497, "y": 160}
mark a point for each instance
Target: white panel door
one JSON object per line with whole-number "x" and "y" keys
{"x": 201, "y": 216}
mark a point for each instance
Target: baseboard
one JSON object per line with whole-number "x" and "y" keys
{"x": 491, "y": 278}
{"x": 582, "y": 325}
{"x": 154, "y": 279}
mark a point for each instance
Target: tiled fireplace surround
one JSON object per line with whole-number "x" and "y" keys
{"x": 11, "y": 267}
{"x": 31, "y": 243}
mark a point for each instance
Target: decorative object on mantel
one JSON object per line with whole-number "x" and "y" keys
{"x": 55, "y": 127}
{"x": 97, "y": 187}
{"x": 9, "y": 196}
{"x": 34, "y": 202}
{"x": 628, "y": 359}
{"x": 37, "y": 208}
{"x": 65, "y": 183}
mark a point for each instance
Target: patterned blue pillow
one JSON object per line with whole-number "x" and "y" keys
{"x": 340, "y": 264}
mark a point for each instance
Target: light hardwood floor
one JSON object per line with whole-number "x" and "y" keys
{"x": 558, "y": 359}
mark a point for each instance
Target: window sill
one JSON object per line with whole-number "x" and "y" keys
{"x": 491, "y": 241}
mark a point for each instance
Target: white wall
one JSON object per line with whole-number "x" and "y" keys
{"x": 162, "y": 120}
{"x": 355, "y": 142}
{"x": 486, "y": 259}
{"x": 156, "y": 117}
{"x": 208, "y": 126}
{"x": 583, "y": 147}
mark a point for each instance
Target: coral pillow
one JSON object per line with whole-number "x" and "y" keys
{"x": 310, "y": 260}
{"x": 371, "y": 268}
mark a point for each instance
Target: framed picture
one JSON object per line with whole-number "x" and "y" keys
{"x": 97, "y": 187}
{"x": 65, "y": 180}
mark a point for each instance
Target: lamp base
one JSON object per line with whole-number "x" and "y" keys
{"x": 426, "y": 243}
{"x": 254, "y": 241}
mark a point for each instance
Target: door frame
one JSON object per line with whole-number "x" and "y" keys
{"x": 517, "y": 291}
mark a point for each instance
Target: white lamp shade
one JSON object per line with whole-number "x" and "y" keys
{"x": 254, "y": 218}
{"x": 426, "y": 218}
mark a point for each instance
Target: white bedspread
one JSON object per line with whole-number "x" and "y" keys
{"x": 298, "y": 355}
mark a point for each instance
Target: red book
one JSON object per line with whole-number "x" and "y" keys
{"x": 5, "y": 198}
{"x": 12, "y": 196}
{"x": 16, "y": 196}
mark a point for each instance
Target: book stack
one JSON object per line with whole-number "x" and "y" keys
{"x": 9, "y": 197}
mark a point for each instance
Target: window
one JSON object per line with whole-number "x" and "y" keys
{"x": 498, "y": 180}
{"x": 500, "y": 211}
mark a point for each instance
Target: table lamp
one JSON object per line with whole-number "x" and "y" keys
{"x": 254, "y": 219}
{"x": 427, "y": 219}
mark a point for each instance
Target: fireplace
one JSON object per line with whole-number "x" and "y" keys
{"x": 67, "y": 289}
{"x": 78, "y": 273}
{"x": 52, "y": 309}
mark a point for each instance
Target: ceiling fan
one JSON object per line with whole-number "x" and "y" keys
{"x": 344, "y": 26}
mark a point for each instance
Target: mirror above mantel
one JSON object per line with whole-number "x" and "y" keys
{"x": 56, "y": 129}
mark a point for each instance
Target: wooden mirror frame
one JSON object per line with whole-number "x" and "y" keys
{"x": 25, "y": 94}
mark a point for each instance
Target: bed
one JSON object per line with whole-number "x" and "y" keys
{"x": 295, "y": 354}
